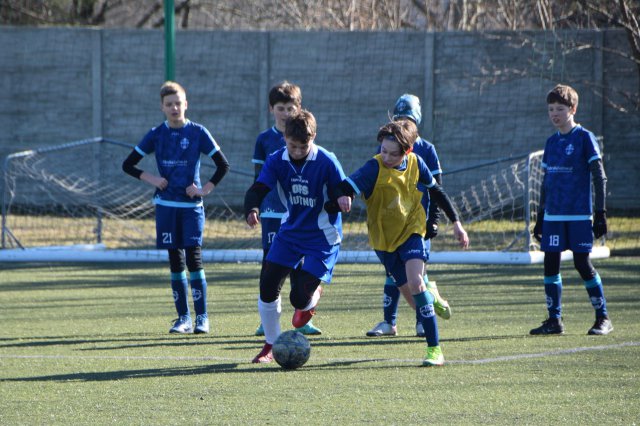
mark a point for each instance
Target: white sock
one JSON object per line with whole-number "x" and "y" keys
{"x": 314, "y": 299}
{"x": 270, "y": 317}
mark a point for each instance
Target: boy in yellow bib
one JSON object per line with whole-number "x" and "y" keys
{"x": 396, "y": 220}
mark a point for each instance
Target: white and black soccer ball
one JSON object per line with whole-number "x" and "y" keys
{"x": 291, "y": 350}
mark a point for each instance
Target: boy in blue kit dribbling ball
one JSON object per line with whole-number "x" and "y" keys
{"x": 396, "y": 219}
{"x": 571, "y": 158}
{"x": 285, "y": 100}
{"x": 303, "y": 173}
{"x": 178, "y": 144}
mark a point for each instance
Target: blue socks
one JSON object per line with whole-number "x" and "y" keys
{"x": 180, "y": 288}
{"x": 199, "y": 291}
{"x": 424, "y": 305}
{"x": 390, "y": 301}
{"x": 553, "y": 291}
{"x": 596, "y": 295}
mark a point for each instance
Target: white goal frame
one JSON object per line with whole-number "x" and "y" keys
{"x": 525, "y": 173}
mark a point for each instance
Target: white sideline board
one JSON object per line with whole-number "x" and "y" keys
{"x": 99, "y": 253}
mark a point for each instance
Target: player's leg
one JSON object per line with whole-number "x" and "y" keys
{"x": 423, "y": 300}
{"x": 191, "y": 222}
{"x": 413, "y": 253}
{"x": 272, "y": 277}
{"x": 395, "y": 271}
{"x": 269, "y": 228}
{"x": 179, "y": 288}
{"x": 198, "y": 288}
{"x": 390, "y": 301}
{"x": 304, "y": 296}
{"x": 168, "y": 237}
{"x": 440, "y": 304}
{"x": 318, "y": 266}
{"x": 581, "y": 240}
{"x": 443, "y": 310}
{"x": 308, "y": 329}
{"x": 553, "y": 243}
{"x": 595, "y": 290}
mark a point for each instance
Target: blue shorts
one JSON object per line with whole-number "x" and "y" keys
{"x": 319, "y": 263}
{"x": 270, "y": 227}
{"x": 179, "y": 227}
{"x": 576, "y": 235}
{"x": 394, "y": 262}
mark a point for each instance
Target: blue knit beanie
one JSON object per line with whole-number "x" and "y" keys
{"x": 408, "y": 106}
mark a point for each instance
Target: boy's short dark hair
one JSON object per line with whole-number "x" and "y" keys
{"x": 563, "y": 94}
{"x": 404, "y": 132}
{"x": 301, "y": 127}
{"x": 285, "y": 92}
{"x": 171, "y": 88}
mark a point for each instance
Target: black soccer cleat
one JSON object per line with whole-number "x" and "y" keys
{"x": 549, "y": 326}
{"x": 601, "y": 327}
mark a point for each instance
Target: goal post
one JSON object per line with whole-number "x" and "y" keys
{"x": 72, "y": 202}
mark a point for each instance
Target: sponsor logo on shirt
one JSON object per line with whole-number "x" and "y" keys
{"x": 302, "y": 201}
{"x": 560, "y": 169}
{"x": 300, "y": 192}
{"x": 174, "y": 163}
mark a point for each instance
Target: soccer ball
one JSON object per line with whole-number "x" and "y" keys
{"x": 291, "y": 350}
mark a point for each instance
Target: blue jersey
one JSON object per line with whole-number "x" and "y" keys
{"x": 305, "y": 188}
{"x": 425, "y": 150}
{"x": 567, "y": 183}
{"x": 177, "y": 153}
{"x": 364, "y": 179}
{"x": 267, "y": 143}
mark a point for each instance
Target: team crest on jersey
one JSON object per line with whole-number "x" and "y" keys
{"x": 569, "y": 149}
{"x": 184, "y": 143}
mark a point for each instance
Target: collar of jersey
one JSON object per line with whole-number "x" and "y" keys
{"x": 311, "y": 157}
{"x": 186, "y": 122}
{"x": 575, "y": 128}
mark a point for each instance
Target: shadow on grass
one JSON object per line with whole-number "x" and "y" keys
{"x": 128, "y": 374}
{"x": 207, "y": 369}
{"x": 383, "y": 341}
{"x": 136, "y": 341}
{"x": 133, "y": 341}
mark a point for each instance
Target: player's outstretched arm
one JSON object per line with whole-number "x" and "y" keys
{"x": 461, "y": 235}
{"x": 341, "y": 199}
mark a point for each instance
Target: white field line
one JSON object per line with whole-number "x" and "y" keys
{"x": 340, "y": 360}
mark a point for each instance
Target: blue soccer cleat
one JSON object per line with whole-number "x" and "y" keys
{"x": 309, "y": 329}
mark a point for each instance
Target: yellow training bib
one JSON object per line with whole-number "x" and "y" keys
{"x": 394, "y": 210}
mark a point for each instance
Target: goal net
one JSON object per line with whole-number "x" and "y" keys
{"x": 73, "y": 202}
